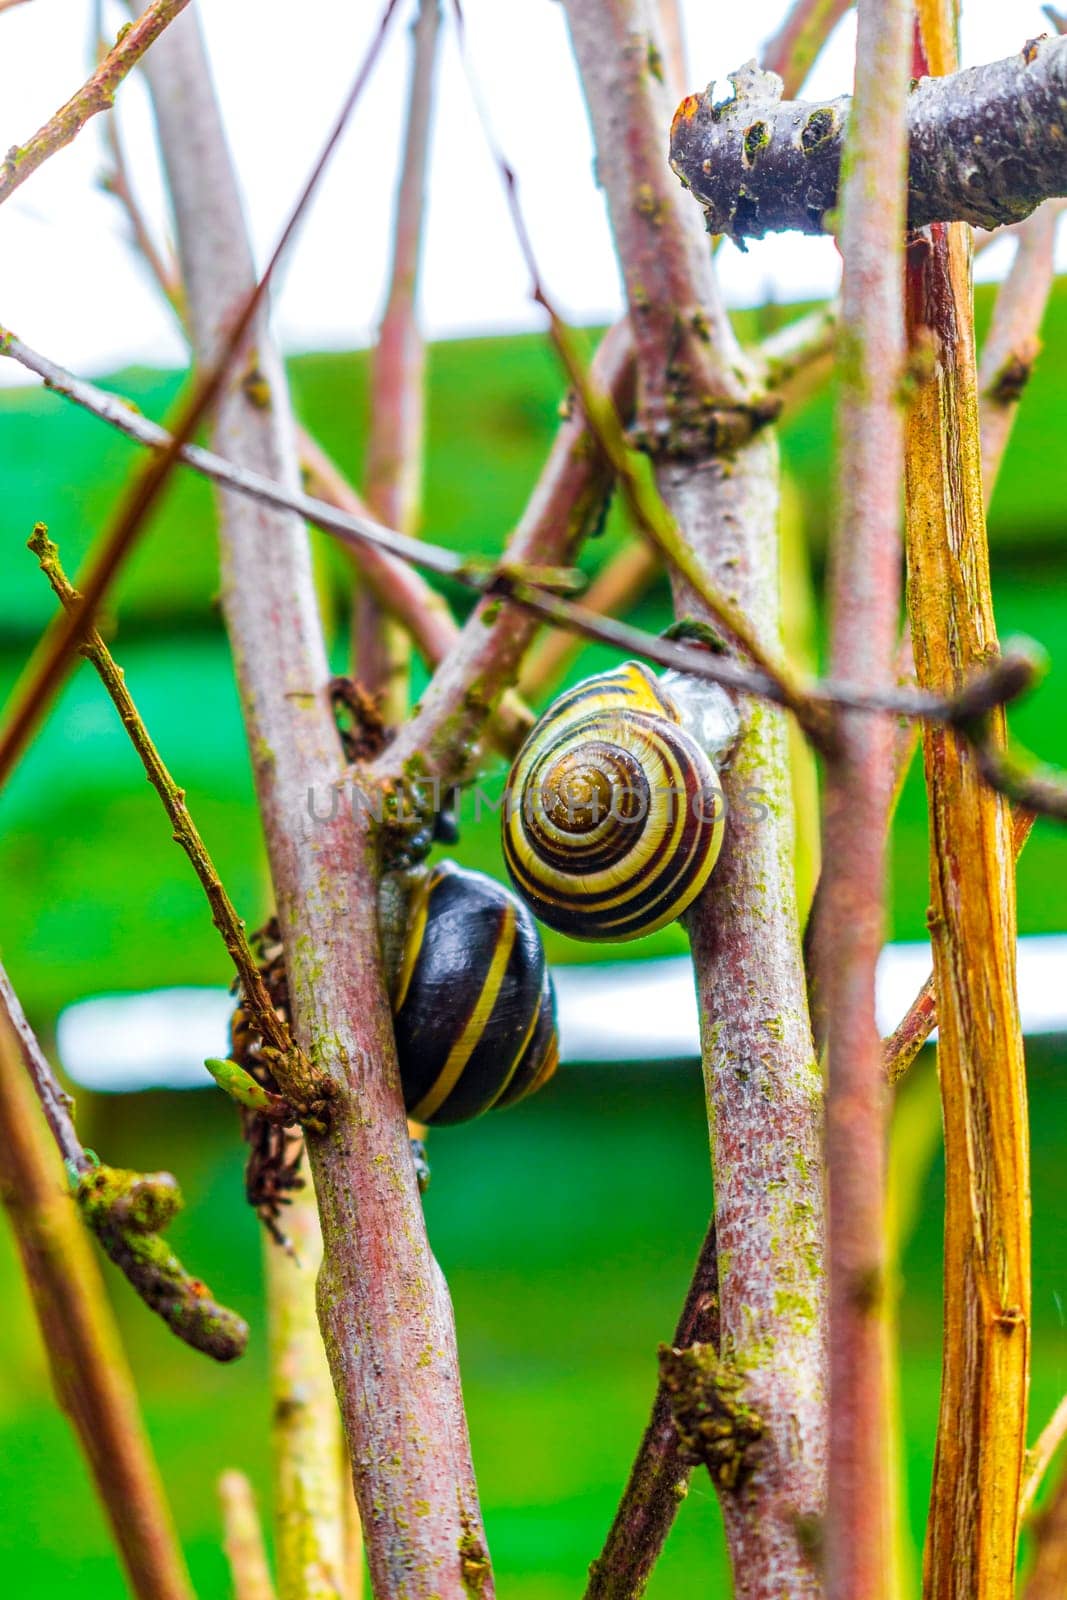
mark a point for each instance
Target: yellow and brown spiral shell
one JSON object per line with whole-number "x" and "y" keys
{"x": 473, "y": 1004}
{"x": 614, "y": 814}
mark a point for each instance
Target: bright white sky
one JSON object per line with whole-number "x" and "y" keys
{"x": 70, "y": 285}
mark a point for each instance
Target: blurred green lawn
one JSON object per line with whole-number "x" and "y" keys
{"x": 567, "y": 1227}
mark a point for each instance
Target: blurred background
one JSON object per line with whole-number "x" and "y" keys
{"x": 567, "y": 1227}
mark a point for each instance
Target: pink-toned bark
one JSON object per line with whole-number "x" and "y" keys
{"x": 383, "y": 1305}
{"x": 865, "y": 595}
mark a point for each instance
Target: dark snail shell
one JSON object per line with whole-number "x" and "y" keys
{"x": 614, "y": 813}
{"x": 473, "y": 1008}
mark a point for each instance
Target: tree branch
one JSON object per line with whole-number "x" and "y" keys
{"x": 621, "y": 582}
{"x": 306, "y": 1449}
{"x": 985, "y": 147}
{"x": 383, "y": 1305}
{"x": 393, "y": 486}
{"x": 763, "y": 1091}
{"x": 98, "y": 94}
{"x": 865, "y": 563}
{"x": 1041, "y": 1454}
{"x": 982, "y": 1424}
{"x": 243, "y": 1536}
{"x": 90, "y": 1373}
{"x": 1012, "y": 344}
{"x": 1046, "y": 1578}
{"x": 127, "y": 1211}
{"x": 659, "y": 1477}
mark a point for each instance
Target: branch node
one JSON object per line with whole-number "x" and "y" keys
{"x": 715, "y": 1425}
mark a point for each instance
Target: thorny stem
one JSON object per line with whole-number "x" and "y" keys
{"x": 395, "y": 448}
{"x": 127, "y": 1211}
{"x": 56, "y": 651}
{"x": 864, "y": 592}
{"x": 383, "y": 1304}
{"x": 91, "y": 1376}
{"x": 243, "y": 1539}
{"x": 97, "y": 94}
{"x": 660, "y": 1474}
{"x": 274, "y": 1029}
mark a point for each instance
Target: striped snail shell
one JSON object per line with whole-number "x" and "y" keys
{"x": 474, "y": 1010}
{"x": 614, "y": 813}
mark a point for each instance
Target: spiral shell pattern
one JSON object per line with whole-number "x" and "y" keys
{"x": 614, "y": 814}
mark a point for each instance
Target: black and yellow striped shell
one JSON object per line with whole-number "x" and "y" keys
{"x": 614, "y": 813}
{"x": 473, "y": 1005}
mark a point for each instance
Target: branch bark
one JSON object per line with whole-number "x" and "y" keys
{"x": 763, "y": 1087}
{"x": 383, "y": 1305}
{"x": 659, "y": 1477}
{"x": 973, "y": 1525}
{"x": 90, "y": 1373}
{"x": 985, "y": 147}
{"x": 865, "y": 590}
{"x": 98, "y": 94}
{"x": 249, "y": 1572}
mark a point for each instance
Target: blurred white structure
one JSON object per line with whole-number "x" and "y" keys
{"x": 621, "y": 1011}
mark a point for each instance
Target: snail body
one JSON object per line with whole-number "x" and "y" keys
{"x": 473, "y": 1004}
{"x": 614, "y": 815}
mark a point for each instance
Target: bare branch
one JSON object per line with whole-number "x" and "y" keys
{"x": 865, "y": 598}
{"x": 383, "y": 1305}
{"x": 1012, "y": 344}
{"x": 985, "y": 147}
{"x": 98, "y": 94}
{"x": 274, "y": 1029}
{"x": 1040, "y": 1456}
{"x": 56, "y": 1104}
{"x": 380, "y": 652}
{"x": 1046, "y": 1578}
{"x": 309, "y": 1494}
{"x": 660, "y": 1473}
{"x": 249, "y": 1572}
{"x": 985, "y": 1363}
{"x": 90, "y": 1373}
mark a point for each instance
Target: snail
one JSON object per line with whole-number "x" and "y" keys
{"x": 473, "y": 1004}
{"x": 614, "y": 813}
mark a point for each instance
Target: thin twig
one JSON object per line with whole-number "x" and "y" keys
{"x": 620, "y": 583}
{"x": 395, "y": 448}
{"x": 274, "y": 1029}
{"x": 32, "y": 697}
{"x": 1040, "y": 1456}
{"x": 243, "y": 1539}
{"x": 660, "y": 1472}
{"x": 564, "y": 490}
{"x": 98, "y": 94}
{"x": 117, "y": 182}
{"x": 309, "y": 1495}
{"x": 1012, "y": 343}
{"x": 865, "y": 591}
{"x": 56, "y": 1104}
{"x": 91, "y": 1375}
